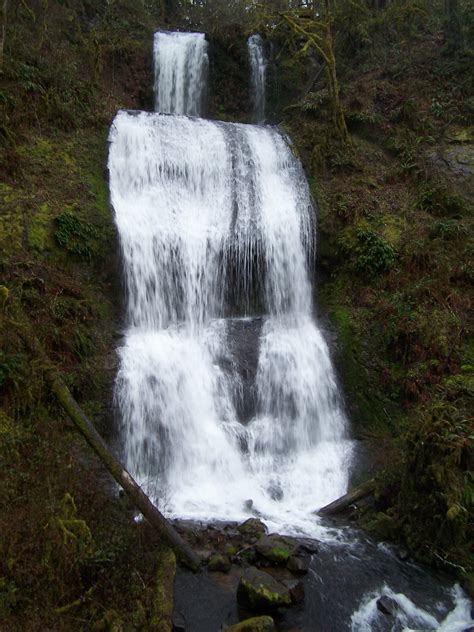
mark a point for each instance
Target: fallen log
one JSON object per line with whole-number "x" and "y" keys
{"x": 357, "y": 493}
{"x": 137, "y": 496}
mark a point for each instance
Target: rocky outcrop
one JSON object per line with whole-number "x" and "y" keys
{"x": 256, "y": 624}
{"x": 274, "y": 548}
{"x": 253, "y": 528}
{"x": 260, "y": 592}
{"x": 219, "y": 563}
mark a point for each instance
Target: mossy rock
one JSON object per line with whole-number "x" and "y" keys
{"x": 260, "y": 592}
{"x": 256, "y": 624}
{"x": 274, "y": 548}
{"x": 219, "y": 563}
{"x": 253, "y": 527}
{"x": 463, "y": 135}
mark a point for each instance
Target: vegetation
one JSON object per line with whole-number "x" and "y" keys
{"x": 395, "y": 221}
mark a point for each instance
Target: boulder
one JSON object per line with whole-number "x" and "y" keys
{"x": 253, "y": 527}
{"x": 308, "y": 546}
{"x": 298, "y": 564}
{"x": 219, "y": 563}
{"x": 260, "y": 592}
{"x": 296, "y": 589}
{"x": 178, "y": 622}
{"x": 274, "y": 548}
{"x": 256, "y": 624}
{"x": 386, "y": 605}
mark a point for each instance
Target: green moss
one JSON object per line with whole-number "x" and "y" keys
{"x": 260, "y": 594}
{"x": 278, "y": 555}
{"x": 40, "y": 228}
{"x": 392, "y": 229}
{"x": 464, "y": 135}
{"x": 219, "y": 563}
{"x": 162, "y": 606}
{"x": 255, "y": 624}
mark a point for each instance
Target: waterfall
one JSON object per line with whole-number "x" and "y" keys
{"x": 258, "y": 68}
{"x": 225, "y": 387}
{"x": 228, "y": 401}
{"x": 181, "y": 66}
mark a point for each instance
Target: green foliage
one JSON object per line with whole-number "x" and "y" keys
{"x": 437, "y": 468}
{"x": 76, "y": 236}
{"x": 373, "y": 254}
{"x": 11, "y": 368}
{"x": 437, "y": 200}
{"x": 449, "y": 229}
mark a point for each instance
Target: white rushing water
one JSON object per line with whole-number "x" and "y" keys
{"x": 408, "y": 617}
{"x": 258, "y": 73}
{"x": 181, "y": 67}
{"x": 215, "y": 219}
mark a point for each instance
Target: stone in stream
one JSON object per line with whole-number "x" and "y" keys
{"x": 296, "y": 589}
{"x": 386, "y": 605}
{"x": 219, "y": 563}
{"x": 179, "y": 623}
{"x": 256, "y": 624}
{"x": 274, "y": 548}
{"x": 260, "y": 592}
{"x": 298, "y": 564}
{"x": 253, "y": 527}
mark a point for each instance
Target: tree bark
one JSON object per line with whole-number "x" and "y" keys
{"x": 322, "y": 42}
{"x": 3, "y": 30}
{"x": 337, "y": 506}
{"x": 120, "y": 474}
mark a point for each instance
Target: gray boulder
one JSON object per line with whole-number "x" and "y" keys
{"x": 260, "y": 592}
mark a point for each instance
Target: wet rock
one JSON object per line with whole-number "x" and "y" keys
{"x": 403, "y": 555}
{"x": 309, "y": 546}
{"x": 469, "y": 629}
{"x": 458, "y": 161}
{"x": 275, "y": 491}
{"x": 296, "y": 588}
{"x": 231, "y": 550}
{"x": 249, "y": 556}
{"x": 179, "y": 623}
{"x": 248, "y": 504}
{"x": 256, "y": 624}
{"x": 386, "y": 605}
{"x": 253, "y": 527}
{"x": 219, "y": 563}
{"x": 274, "y": 548}
{"x": 260, "y": 592}
{"x": 205, "y": 555}
{"x": 299, "y": 565}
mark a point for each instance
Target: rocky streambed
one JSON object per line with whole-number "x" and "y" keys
{"x": 254, "y": 581}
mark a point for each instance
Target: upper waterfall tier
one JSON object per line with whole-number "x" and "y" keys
{"x": 181, "y": 69}
{"x": 258, "y": 68}
{"x": 213, "y": 217}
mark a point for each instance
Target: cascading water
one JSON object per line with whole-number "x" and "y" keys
{"x": 258, "y": 72}
{"x": 198, "y": 204}
{"x": 181, "y": 67}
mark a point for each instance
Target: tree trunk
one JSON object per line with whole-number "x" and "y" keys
{"x": 3, "y": 30}
{"x": 345, "y": 501}
{"x": 339, "y": 120}
{"x": 120, "y": 474}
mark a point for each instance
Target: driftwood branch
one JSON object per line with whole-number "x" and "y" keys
{"x": 357, "y": 493}
{"x": 138, "y": 497}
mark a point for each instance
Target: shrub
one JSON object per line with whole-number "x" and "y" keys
{"x": 374, "y": 254}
